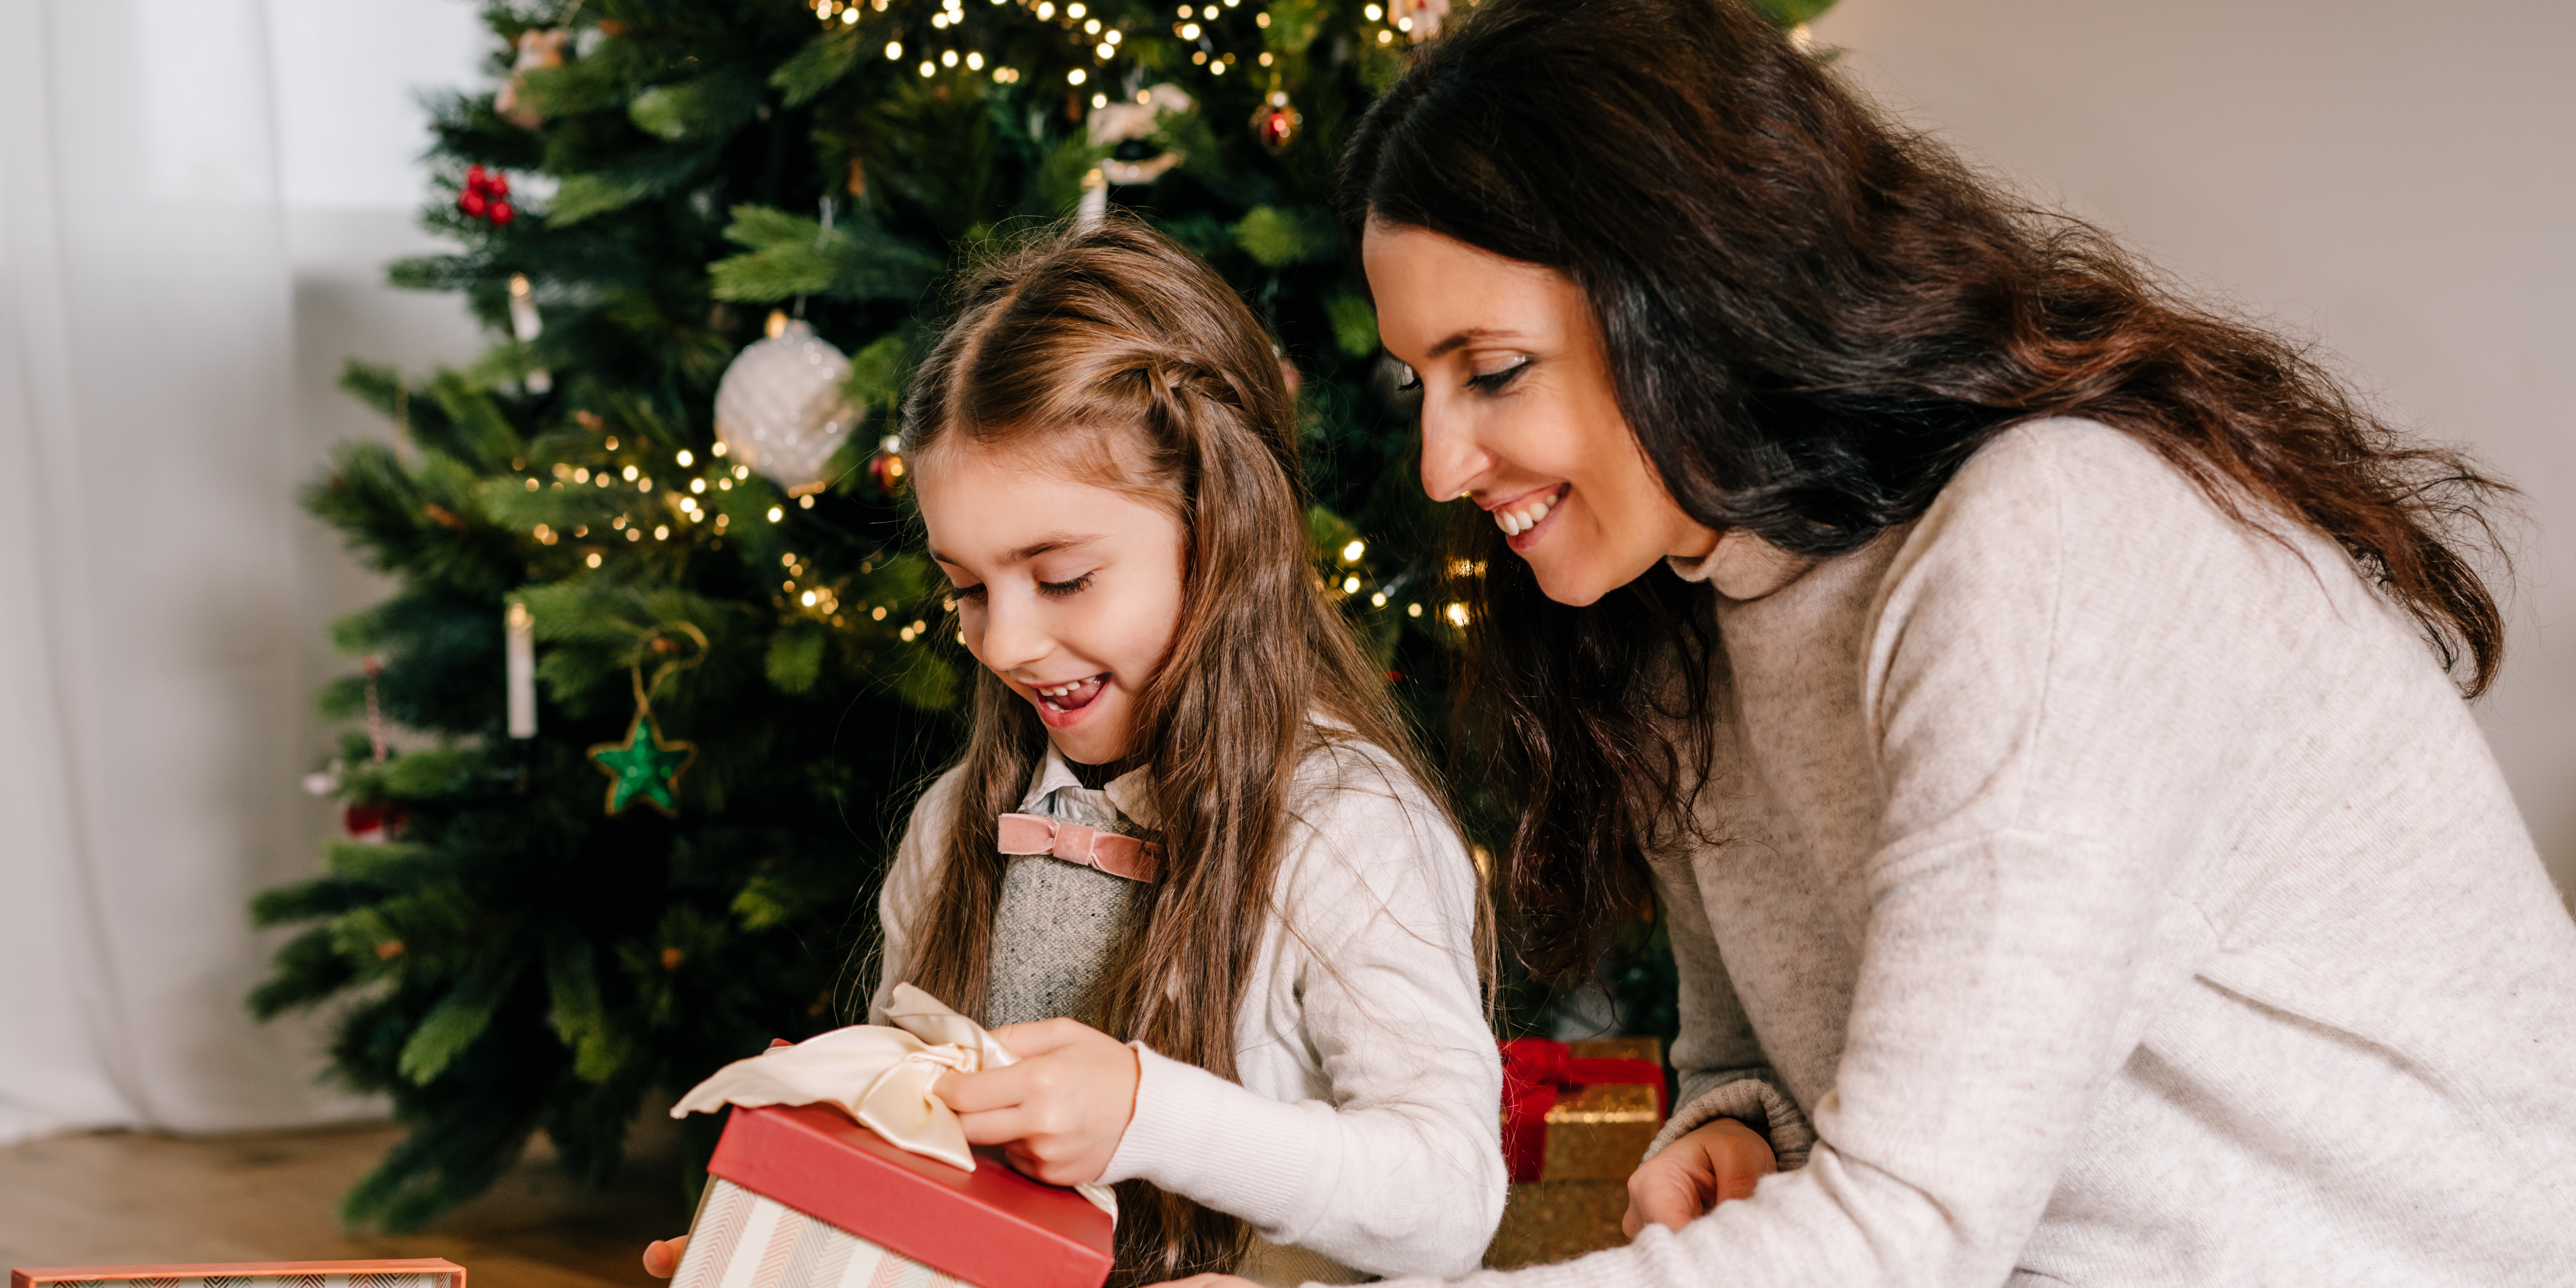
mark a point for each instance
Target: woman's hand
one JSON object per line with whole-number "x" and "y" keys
{"x": 1060, "y": 1112}
{"x": 662, "y": 1256}
{"x": 1715, "y": 1163}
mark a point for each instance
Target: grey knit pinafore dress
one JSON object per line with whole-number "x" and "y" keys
{"x": 1058, "y": 924}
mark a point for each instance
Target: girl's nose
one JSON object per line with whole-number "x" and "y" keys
{"x": 1011, "y": 636}
{"x": 1452, "y": 462}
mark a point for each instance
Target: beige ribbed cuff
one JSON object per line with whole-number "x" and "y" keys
{"x": 1754, "y": 1103}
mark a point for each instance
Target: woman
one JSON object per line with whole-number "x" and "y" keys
{"x": 2036, "y": 702}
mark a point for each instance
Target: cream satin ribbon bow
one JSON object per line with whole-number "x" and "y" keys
{"x": 882, "y": 1076}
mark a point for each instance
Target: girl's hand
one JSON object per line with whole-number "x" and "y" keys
{"x": 1060, "y": 1112}
{"x": 662, "y": 1256}
{"x": 1717, "y": 1162}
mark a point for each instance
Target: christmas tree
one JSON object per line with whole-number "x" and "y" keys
{"x": 661, "y": 674}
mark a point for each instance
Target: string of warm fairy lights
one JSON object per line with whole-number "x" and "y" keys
{"x": 1104, "y": 40}
{"x": 799, "y": 588}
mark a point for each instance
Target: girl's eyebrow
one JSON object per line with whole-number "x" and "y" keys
{"x": 1046, "y": 545}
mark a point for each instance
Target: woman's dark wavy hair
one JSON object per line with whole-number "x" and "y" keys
{"x": 1814, "y": 318}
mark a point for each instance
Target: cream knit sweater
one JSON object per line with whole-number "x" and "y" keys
{"x": 1365, "y": 1131}
{"x": 2125, "y": 898}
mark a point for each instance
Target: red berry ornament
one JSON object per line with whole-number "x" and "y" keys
{"x": 486, "y": 196}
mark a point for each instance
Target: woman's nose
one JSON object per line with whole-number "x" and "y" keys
{"x": 1452, "y": 462}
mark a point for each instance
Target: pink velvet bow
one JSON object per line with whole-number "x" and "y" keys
{"x": 1119, "y": 856}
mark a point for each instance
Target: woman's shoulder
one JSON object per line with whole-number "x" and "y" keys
{"x": 2067, "y": 460}
{"x": 2081, "y": 495}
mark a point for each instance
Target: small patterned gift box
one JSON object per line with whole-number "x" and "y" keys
{"x": 803, "y": 1197}
{"x": 428, "y": 1272}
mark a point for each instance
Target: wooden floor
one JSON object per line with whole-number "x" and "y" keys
{"x": 121, "y": 1198}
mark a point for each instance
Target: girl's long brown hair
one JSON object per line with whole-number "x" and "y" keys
{"x": 1814, "y": 318}
{"x": 1115, "y": 355}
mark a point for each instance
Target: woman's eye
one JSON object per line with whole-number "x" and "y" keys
{"x": 969, "y": 594}
{"x": 1060, "y": 589}
{"x": 1407, "y": 380}
{"x": 1490, "y": 381}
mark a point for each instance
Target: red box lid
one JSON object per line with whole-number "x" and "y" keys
{"x": 30, "y": 1276}
{"x": 991, "y": 1227}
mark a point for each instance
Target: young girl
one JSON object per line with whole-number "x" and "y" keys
{"x": 1275, "y": 919}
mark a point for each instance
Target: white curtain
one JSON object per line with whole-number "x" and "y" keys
{"x": 154, "y": 717}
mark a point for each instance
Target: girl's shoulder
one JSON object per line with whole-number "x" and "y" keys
{"x": 1344, "y": 776}
{"x": 937, "y": 804}
{"x": 1363, "y": 833}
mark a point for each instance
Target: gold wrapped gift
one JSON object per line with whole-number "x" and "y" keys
{"x": 1595, "y": 1137}
{"x": 1551, "y": 1221}
{"x": 1599, "y": 1133}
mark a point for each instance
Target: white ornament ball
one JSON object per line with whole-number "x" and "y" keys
{"x": 779, "y": 408}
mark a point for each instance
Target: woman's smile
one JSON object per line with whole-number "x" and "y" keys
{"x": 1524, "y": 517}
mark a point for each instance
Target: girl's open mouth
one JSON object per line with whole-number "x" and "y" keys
{"x": 1071, "y": 696}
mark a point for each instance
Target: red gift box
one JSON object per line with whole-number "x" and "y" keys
{"x": 1549, "y": 1082}
{"x": 416, "y": 1272}
{"x": 991, "y": 1227}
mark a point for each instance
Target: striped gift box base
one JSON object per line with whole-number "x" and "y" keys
{"x": 425, "y": 1272}
{"x": 745, "y": 1240}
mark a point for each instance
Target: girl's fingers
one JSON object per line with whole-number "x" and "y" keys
{"x": 662, "y": 1256}
{"x": 1040, "y": 1037}
{"x": 1004, "y": 1126}
{"x": 976, "y": 1093}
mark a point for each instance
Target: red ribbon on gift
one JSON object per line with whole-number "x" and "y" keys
{"x": 1535, "y": 1073}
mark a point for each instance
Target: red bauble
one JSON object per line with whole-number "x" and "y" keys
{"x": 497, "y": 183}
{"x": 372, "y": 823}
{"x": 501, "y": 212}
{"x": 471, "y": 201}
{"x": 475, "y": 177}
{"x": 886, "y": 470}
{"x": 1275, "y": 123}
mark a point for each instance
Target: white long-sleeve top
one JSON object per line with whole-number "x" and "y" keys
{"x": 1366, "y": 1126}
{"x": 2125, "y": 898}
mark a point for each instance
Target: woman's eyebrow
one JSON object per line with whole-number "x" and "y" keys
{"x": 1472, "y": 333}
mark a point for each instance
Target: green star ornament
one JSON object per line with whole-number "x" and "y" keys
{"x": 644, "y": 767}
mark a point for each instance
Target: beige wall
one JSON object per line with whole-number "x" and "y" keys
{"x": 2396, "y": 180}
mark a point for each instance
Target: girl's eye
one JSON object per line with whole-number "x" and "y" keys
{"x": 1060, "y": 589}
{"x": 969, "y": 594}
{"x": 1492, "y": 381}
{"x": 1407, "y": 380}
